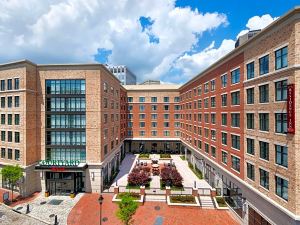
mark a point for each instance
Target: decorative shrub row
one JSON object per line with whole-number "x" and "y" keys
{"x": 182, "y": 199}
{"x": 139, "y": 176}
{"x": 171, "y": 176}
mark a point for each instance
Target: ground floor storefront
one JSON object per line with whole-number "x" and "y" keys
{"x": 248, "y": 204}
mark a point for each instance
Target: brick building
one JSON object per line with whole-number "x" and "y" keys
{"x": 69, "y": 126}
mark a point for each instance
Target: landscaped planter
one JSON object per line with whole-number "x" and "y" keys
{"x": 221, "y": 206}
{"x": 116, "y": 199}
{"x": 196, "y": 203}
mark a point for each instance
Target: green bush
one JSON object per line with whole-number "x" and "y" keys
{"x": 127, "y": 208}
{"x": 182, "y": 157}
{"x": 221, "y": 202}
{"x": 182, "y": 199}
{"x": 196, "y": 171}
{"x": 135, "y": 196}
{"x": 144, "y": 156}
{"x": 165, "y": 156}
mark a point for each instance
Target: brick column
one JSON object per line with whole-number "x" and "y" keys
{"x": 195, "y": 192}
{"x": 168, "y": 191}
{"x": 213, "y": 192}
{"x": 142, "y": 190}
{"x": 116, "y": 190}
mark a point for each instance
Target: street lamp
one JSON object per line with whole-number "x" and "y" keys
{"x": 100, "y": 200}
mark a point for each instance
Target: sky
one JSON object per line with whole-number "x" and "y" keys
{"x": 167, "y": 40}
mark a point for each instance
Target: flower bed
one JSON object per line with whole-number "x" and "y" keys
{"x": 183, "y": 200}
{"x": 220, "y": 202}
{"x": 165, "y": 156}
{"x": 144, "y": 156}
{"x": 135, "y": 197}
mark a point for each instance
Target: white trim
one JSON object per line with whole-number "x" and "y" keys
{"x": 261, "y": 84}
{"x": 286, "y": 44}
{"x": 263, "y": 55}
{"x": 249, "y": 61}
{"x": 281, "y": 176}
{"x": 236, "y": 90}
{"x": 281, "y": 79}
{"x": 248, "y": 87}
{"x": 238, "y": 67}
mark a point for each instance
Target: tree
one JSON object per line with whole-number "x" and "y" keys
{"x": 127, "y": 208}
{"x": 12, "y": 174}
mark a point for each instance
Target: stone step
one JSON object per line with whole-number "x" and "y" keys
{"x": 207, "y": 202}
{"x": 155, "y": 198}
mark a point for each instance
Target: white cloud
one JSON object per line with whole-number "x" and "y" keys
{"x": 52, "y": 31}
{"x": 257, "y": 23}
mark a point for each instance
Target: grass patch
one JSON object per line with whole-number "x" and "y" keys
{"x": 144, "y": 156}
{"x": 165, "y": 156}
{"x": 221, "y": 201}
{"x": 196, "y": 171}
{"x": 182, "y": 199}
{"x": 134, "y": 196}
{"x": 182, "y": 157}
{"x": 174, "y": 188}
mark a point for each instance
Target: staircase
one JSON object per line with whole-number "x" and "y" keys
{"x": 155, "y": 198}
{"x": 207, "y": 202}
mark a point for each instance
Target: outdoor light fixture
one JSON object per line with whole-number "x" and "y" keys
{"x": 100, "y": 200}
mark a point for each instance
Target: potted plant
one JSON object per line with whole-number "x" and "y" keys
{"x": 47, "y": 193}
{"x": 72, "y": 194}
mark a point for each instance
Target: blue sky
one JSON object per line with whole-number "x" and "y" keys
{"x": 167, "y": 40}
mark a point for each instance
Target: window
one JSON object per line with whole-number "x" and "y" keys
{"x": 166, "y": 99}
{"x": 206, "y": 148}
{"x": 153, "y": 116}
{"x": 213, "y": 102}
{"x": 142, "y": 116}
{"x": 282, "y": 187}
{"x": 153, "y": 133}
{"x": 9, "y": 84}
{"x": 153, "y": 99}
{"x": 235, "y": 163}
{"x": 2, "y": 135}
{"x": 281, "y": 155}
{"x": 141, "y": 99}
{"x": 206, "y": 103}
{"x": 224, "y": 80}
{"x": 264, "y": 178}
{"x": 199, "y": 103}
{"x": 235, "y": 119}
{"x": 105, "y": 103}
{"x": 17, "y": 137}
{"x": 224, "y": 119}
{"x": 206, "y": 87}
{"x": 235, "y": 98}
{"x": 153, "y": 107}
{"x": 142, "y": 133}
{"x": 224, "y": 157}
{"x": 142, "y": 124}
{"x": 166, "y": 124}
{"x": 3, "y": 153}
{"x": 213, "y": 85}
{"x": 166, "y": 107}
{"x": 17, "y": 83}
{"x": 176, "y": 99}
{"x": 213, "y": 135}
{"x": 281, "y": 90}
{"x": 9, "y": 119}
{"x": 281, "y": 123}
{"x": 130, "y": 99}
{"x": 264, "y": 93}
{"x": 9, "y": 102}
{"x": 250, "y": 171}
{"x": 2, "y": 119}
{"x": 9, "y": 136}
{"x": 9, "y": 153}
{"x": 235, "y": 141}
{"x": 213, "y": 151}
{"x": 264, "y": 150}
{"x": 250, "y": 96}
{"x": 206, "y": 118}
{"x": 153, "y": 124}
{"x": 264, "y": 121}
{"x": 235, "y": 76}
{"x": 166, "y": 116}
{"x": 281, "y": 58}
{"x": 264, "y": 65}
{"x": 250, "y": 146}
{"x": 213, "y": 118}
{"x": 250, "y": 70}
{"x": 2, "y": 102}
{"x": 250, "y": 120}
{"x": 17, "y": 154}
{"x": 142, "y": 108}
{"x": 2, "y": 85}
{"x": 17, "y": 101}
{"x": 224, "y": 99}
{"x": 224, "y": 138}
{"x": 105, "y": 87}
{"x": 166, "y": 133}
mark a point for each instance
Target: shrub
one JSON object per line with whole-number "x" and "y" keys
{"x": 138, "y": 178}
{"x": 221, "y": 201}
{"x": 135, "y": 196}
{"x": 144, "y": 155}
{"x": 127, "y": 207}
{"x": 171, "y": 176}
{"x": 182, "y": 199}
{"x": 146, "y": 169}
{"x": 165, "y": 156}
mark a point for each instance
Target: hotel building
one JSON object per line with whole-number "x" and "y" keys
{"x": 69, "y": 126}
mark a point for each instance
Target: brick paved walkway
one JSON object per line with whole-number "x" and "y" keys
{"x": 87, "y": 212}
{"x": 17, "y": 198}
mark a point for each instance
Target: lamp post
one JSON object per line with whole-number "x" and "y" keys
{"x": 100, "y": 200}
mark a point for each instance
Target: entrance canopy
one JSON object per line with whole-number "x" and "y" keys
{"x": 61, "y": 165}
